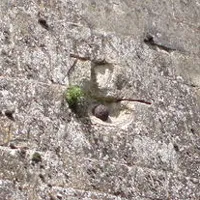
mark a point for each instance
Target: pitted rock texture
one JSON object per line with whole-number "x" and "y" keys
{"x": 124, "y": 49}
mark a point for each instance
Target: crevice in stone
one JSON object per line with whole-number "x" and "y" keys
{"x": 191, "y": 85}
{"x": 135, "y": 100}
{"x": 43, "y": 23}
{"x": 88, "y": 58}
{"x": 82, "y": 58}
{"x": 150, "y": 41}
{"x": 9, "y": 114}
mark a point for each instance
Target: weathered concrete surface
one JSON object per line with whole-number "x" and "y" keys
{"x": 147, "y": 50}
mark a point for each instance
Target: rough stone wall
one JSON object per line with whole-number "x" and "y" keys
{"x": 133, "y": 49}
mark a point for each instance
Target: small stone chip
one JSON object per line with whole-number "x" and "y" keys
{"x": 101, "y": 112}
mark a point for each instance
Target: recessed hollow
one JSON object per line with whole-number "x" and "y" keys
{"x": 120, "y": 113}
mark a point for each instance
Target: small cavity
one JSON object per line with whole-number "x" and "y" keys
{"x": 119, "y": 113}
{"x": 9, "y": 114}
{"x": 43, "y": 23}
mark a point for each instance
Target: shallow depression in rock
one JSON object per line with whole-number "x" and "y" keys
{"x": 120, "y": 113}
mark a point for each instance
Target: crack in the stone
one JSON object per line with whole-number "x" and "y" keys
{"x": 43, "y": 23}
{"x": 163, "y": 47}
{"x": 149, "y": 40}
{"x": 82, "y": 58}
{"x": 135, "y": 100}
{"x": 191, "y": 85}
{"x": 87, "y": 58}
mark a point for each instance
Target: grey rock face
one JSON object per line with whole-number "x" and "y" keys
{"x": 116, "y": 49}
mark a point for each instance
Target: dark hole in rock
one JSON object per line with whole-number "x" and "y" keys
{"x": 176, "y": 147}
{"x": 29, "y": 76}
{"x": 149, "y": 39}
{"x": 101, "y": 112}
{"x": 43, "y": 23}
{"x": 192, "y": 130}
{"x": 42, "y": 166}
{"x": 119, "y": 193}
{"x": 36, "y": 158}
{"x": 13, "y": 146}
{"x": 94, "y": 187}
{"x": 42, "y": 177}
{"x": 23, "y": 153}
{"x": 66, "y": 176}
{"x": 59, "y": 196}
{"x": 188, "y": 153}
{"x": 20, "y": 188}
{"x": 193, "y": 85}
{"x": 91, "y": 171}
{"x": 9, "y": 114}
